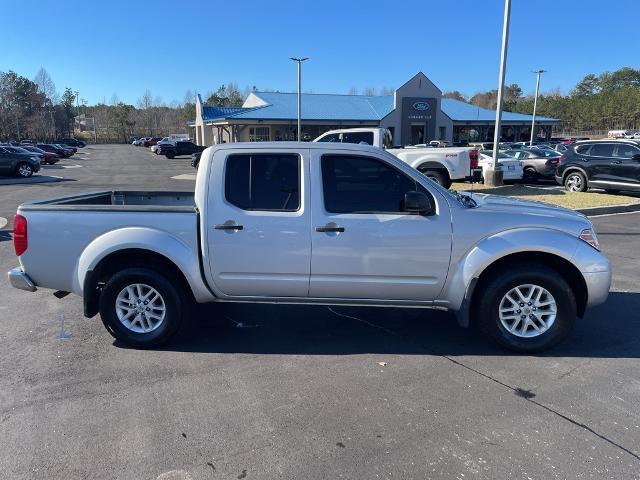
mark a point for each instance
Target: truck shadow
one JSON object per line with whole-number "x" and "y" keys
{"x": 611, "y": 330}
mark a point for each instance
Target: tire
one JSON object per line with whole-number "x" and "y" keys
{"x": 529, "y": 176}
{"x": 575, "y": 181}
{"x": 130, "y": 329}
{"x": 170, "y": 154}
{"x": 524, "y": 337}
{"x": 24, "y": 170}
{"x": 438, "y": 177}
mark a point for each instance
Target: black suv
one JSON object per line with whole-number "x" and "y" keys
{"x": 181, "y": 148}
{"x": 72, "y": 142}
{"x": 610, "y": 164}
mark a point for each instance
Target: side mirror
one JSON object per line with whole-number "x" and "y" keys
{"x": 418, "y": 203}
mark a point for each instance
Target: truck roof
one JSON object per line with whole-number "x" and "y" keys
{"x": 297, "y": 145}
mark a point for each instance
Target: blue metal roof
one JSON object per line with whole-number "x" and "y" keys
{"x": 464, "y": 112}
{"x": 213, "y": 113}
{"x": 317, "y": 106}
{"x": 333, "y": 107}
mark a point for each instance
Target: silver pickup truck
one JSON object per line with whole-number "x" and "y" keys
{"x": 313, "y": 223}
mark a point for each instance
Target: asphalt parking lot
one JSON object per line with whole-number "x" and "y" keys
{"x": 254, "y": 391}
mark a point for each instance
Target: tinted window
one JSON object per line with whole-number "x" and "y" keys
{"x": 358, "y": 137}
{"x": 353, "y": 184}
{"x": 602, "y": 150}
{"x": 334, "y": 137}
{"x": 263, "y": 182}
{"x": 583, "y": 149}
{"x": 626, "y": 151}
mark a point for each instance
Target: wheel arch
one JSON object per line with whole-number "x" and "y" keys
{"x": 119, "y": 260}
{"x": 573, "y": 168}
{"x": 568, "y": 271}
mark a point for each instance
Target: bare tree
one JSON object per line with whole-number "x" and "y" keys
{"x": 45, "y": 84}
{"x": 115, "y": 100}
{"x": 353, "y": 91}
{"x": 369, "y": 91}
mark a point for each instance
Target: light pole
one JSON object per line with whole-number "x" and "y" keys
{"x": 494, "y": 177}
{"x": 299, "y": 60}
{"x": 535, "y": 104}
{"x": 77, "y": 105}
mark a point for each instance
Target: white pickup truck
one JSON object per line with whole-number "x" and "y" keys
{"x": 313, "y": 223}
{"x": 442, "y": 165}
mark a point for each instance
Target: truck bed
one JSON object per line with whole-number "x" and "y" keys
{"x": 114, "y": 200}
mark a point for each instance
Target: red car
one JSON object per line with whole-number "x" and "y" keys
{"x": 47, "y": 157}
{"x": 151, "y": 141}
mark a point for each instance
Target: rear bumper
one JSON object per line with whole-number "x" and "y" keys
{"x": 20, "y": 280}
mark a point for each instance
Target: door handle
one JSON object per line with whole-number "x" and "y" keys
{"x": 617, "y": 162}
{"x": 228, "y": 226}
{"x": 330, "y": 227}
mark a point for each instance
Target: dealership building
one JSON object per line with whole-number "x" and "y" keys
{"x": 415, "y": 113}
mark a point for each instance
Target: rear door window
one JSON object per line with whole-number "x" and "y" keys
{"x": 263, "y": 182}
{"x": 358, "y": 137}
{"x": 602, "y": 150}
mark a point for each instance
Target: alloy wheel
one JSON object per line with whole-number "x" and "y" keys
{"x": 527, "y": 311}
{"x": 140, "y": 308}
{"x": 574, "y": 183}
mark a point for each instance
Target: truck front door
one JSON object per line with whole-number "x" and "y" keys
{"x": 258, "y": 223}
{"x": 363, "y": 245}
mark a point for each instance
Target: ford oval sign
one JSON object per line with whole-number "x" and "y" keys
{"x": 421, "y": 106}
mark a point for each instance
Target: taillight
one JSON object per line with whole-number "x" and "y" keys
{"x": 473, "y": 157}
{"x": 20, "y": 242}
{"x": 562, "y": 159}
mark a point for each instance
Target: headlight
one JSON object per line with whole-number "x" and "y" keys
{"x": 589, "y": 235}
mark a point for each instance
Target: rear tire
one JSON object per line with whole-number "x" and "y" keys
{"x": 530, "y": 176}
{"x": 530, "y": 326}
{"x": 438, "y": 177}
{"x": 170, "y": 155}
{"x": 24, "y": 170}
{"x": 131, "y": 321}
{"x": 575, "y": 182}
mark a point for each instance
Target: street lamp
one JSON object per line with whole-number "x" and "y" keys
{"x": 299, "y": 60}
{"x": 494, "y": 177}
{"x": 535, "y": 104}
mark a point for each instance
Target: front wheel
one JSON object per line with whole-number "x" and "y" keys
{"x": 526, "y": 308}
{"x": 141, "y": 307}
{"x": 575, "y": 182}
{"x": 24, "y": 170}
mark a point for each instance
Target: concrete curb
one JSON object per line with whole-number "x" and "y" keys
{"x": 608, "y": 210}
{"x": 31, "y": 180}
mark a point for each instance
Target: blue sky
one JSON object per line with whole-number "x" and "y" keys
{"x": 104, "y": 47}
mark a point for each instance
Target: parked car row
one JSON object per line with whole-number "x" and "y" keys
{"x": 25, "y": 158}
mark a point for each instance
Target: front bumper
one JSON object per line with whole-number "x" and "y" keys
{"x": 20, "y": 280}
{"x": 559, "y": 180}
{"x": 598, "y": 284}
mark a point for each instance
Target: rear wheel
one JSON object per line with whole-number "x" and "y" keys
{"x": 575, "y": 182}
{"x": 526, "y": 308}
{"x": 530, "y": 175}
{"x": 24, "y": 170}
{"x": 170, "y": 154}
{"x": 141, "y": 307}
{"x": 437, "y": 176}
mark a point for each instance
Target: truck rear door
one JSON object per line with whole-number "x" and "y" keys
{"x": 258, "y": 222}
